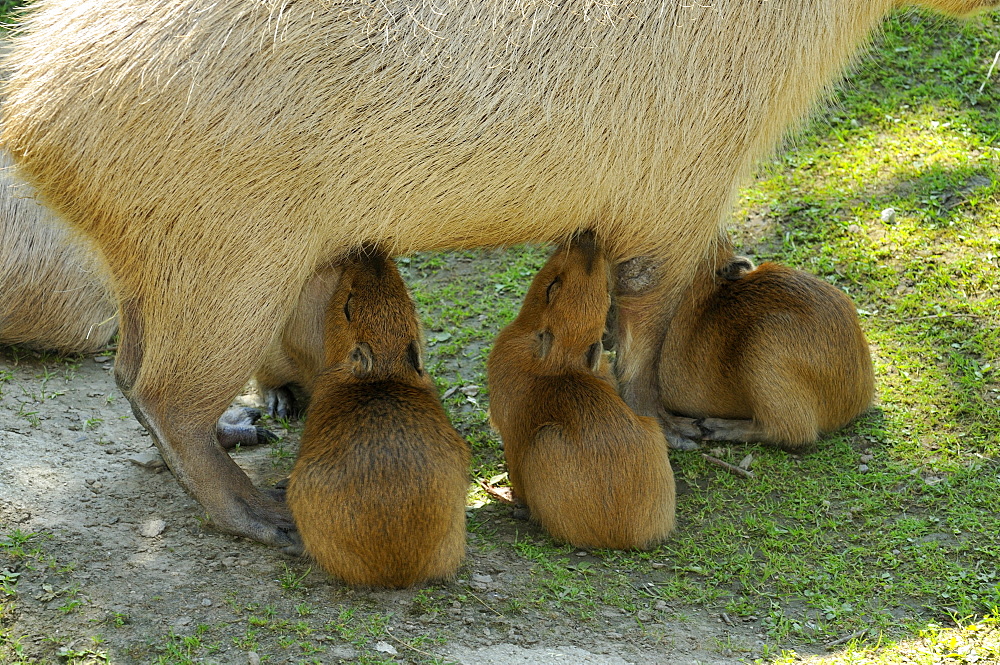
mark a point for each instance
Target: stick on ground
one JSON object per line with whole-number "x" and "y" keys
{"x": 729, "y": 467}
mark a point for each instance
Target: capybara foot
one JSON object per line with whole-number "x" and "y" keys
{"x": 257, "y": 518}
{"x": 236, "y": 428}
{"x": 722, "y": 429}
{"x": 282, "y": 403}
{"x": 681, "y": 433}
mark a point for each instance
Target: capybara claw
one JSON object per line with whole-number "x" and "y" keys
{"x": 265, "y": 435}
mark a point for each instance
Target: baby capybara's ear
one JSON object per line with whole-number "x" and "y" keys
{"x": 361, "y": 360}
{"x": 414, "y": 357}
{"x": 735, "y": 268}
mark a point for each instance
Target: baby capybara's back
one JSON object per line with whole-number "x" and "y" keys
{"x": 768, "y": 354}
{"x": 378, "y": 490}
{"x": 378, "y": 493}
{"x": 596, "y": 475}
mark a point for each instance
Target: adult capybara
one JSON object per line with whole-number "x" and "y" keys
{"x": 378, "y": 490}
{"x": 762, "y": 354}
{"x": 54, "y": 295}
{"x": 592, "y": 472}
{"x": 218, "y": 150}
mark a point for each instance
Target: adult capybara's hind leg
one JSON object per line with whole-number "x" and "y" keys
{"x": 179, "y": 379}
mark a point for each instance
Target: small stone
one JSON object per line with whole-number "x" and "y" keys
{"x": 867, "y": 458}
{"x": 206, "y": 602}
{"x": 253, "y": 658}
{"x": 482, "y": 579}
{"x": 889, "y": 215}
{"x": 342, "y": 652}
{"x": 854, "y": 229}
{"x": 152, "y": 528}
{"x": 863, "y": 468}
{"x": 101, "y": 359}
{"x": 657, "y": 565}
{"x": 385, "y": 647}
{"x": 182, "y": 621}
{"x": 470, "y": 391}
{"x": 660, "y": 605}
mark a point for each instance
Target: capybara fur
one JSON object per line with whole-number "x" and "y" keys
{"x": 54, "y": 294}
{"x": 218, "y": 151}
{"x": 378, "y": 490}
{"x": 764, "y": 354}
{"x": 591, "y": 471}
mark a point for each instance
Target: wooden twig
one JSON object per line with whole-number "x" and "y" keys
{"x": 846, "y": 639}
{"x": 484, "y": 603}
{"x": 406, "y": 645}
{"x": 729, "y": 467}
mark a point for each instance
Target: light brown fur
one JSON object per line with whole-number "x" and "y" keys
{"x": 591, "y": 472}
{"x": 378, "y": 490}
{"x": 767, "y": 354}
{"x": 54, "y": 293}
{"x": 175, "y": 134}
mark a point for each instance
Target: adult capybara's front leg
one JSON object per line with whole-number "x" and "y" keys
{"x": 178, "y": 394}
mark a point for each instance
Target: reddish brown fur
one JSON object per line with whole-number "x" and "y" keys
{"x": 771, "y": 345}
{"x": 592, "y": 472}
{"x": 378, "y": 491}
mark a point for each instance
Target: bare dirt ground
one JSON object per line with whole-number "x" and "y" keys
{"x": 124, "y": 568}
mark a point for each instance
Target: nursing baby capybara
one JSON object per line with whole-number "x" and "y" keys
{"x": 592, "y": 472}
{"x": 217, "y": 152}
{"x": 378, "y": 490}
{"x": 762, "y": 354}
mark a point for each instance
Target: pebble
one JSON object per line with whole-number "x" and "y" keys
{"x": 385, "y": 647}
{"x": 253, "y": 658}
{"x": 207, "y": 602}
{"x": 889, "y": 215}
{"x": 152, "y": 528}
{"x": 342, "y": 652}
{"x": 863, "y": 468}
{"x": 867, "y": 458}
{"x": 660, "y": 605}
{"x": 854, "y": 229}
{"x": 482, "y": 579}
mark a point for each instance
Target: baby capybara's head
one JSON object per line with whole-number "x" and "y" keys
{"x": 372, "y": 329}
{"x": 567, "y": 304}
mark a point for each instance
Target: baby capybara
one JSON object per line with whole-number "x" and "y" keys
{"x": 763, "y": 354}
{"x": 590, "y": 470}
{"x": 378, "y": 490}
